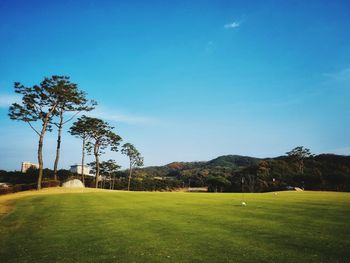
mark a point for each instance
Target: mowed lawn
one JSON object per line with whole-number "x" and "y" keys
{"x": 116, "y": 226}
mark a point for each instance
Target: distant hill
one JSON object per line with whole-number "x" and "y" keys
{"x": 184, "y": 165}
{"x": 321, "y": 172}
{"x": 233, "y": 161}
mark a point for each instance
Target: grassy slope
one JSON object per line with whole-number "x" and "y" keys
{"x": 177, "y": 227}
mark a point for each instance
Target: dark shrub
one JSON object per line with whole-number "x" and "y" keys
{"x": 26, "y": 187}
{"x": 51, "y": 183}
{"x": 6, "y": 190}
{"x": 17, "y": 188}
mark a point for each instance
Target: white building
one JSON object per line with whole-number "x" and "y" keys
{"x": 77, "y": 168}
{"x": 26, "y": 165}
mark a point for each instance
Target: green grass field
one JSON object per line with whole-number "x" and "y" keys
{"x": 177, "y": 227}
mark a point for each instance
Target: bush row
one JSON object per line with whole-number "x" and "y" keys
{"x": 25, "y": 187}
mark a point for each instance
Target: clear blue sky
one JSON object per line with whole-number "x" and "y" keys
{"x": 186, "y": 80}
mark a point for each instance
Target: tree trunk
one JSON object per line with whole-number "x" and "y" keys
{"x": 40, "y": 159}
{"x": 301, "y": 166}
{"x": 40, "y": 146}
{"x": 113, "y": 181}
{"x": 97, "y": 164}
{"x": 40, "y": 152}
{"x": 129, "y": 177}
{"x": 97, "y": 170}
{"x": 82, "y": 162}
{"x": 58, "y": 148}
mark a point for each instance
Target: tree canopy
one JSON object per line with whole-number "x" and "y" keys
{"x": 39, "y": 103}
{"x": 70, "y": 99}
{"x": 135, "y": 158}
{"x": 100, "y": 137}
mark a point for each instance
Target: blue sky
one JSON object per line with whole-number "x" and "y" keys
{"x": 185, "y": 80}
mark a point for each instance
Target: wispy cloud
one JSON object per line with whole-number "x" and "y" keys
{"x": 232, "y": 25}
{"x": 118, "y": 116}
{"x": 339, "y": 79}
{"x": 210, "y": 47}
{"x": 100, "y": 112}
{"x": 342, "y": 75}
{"x": 7, "y": 99}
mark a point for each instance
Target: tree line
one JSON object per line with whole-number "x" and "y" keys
{"x": 234, "y": 173}
{"x": 231, "y": 173}
{"x": 55, "y": 102}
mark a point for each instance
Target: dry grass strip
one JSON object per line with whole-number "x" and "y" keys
{"x": 6, "y": 201}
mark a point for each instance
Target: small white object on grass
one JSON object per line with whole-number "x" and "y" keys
{"x": 244, "y": 204}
